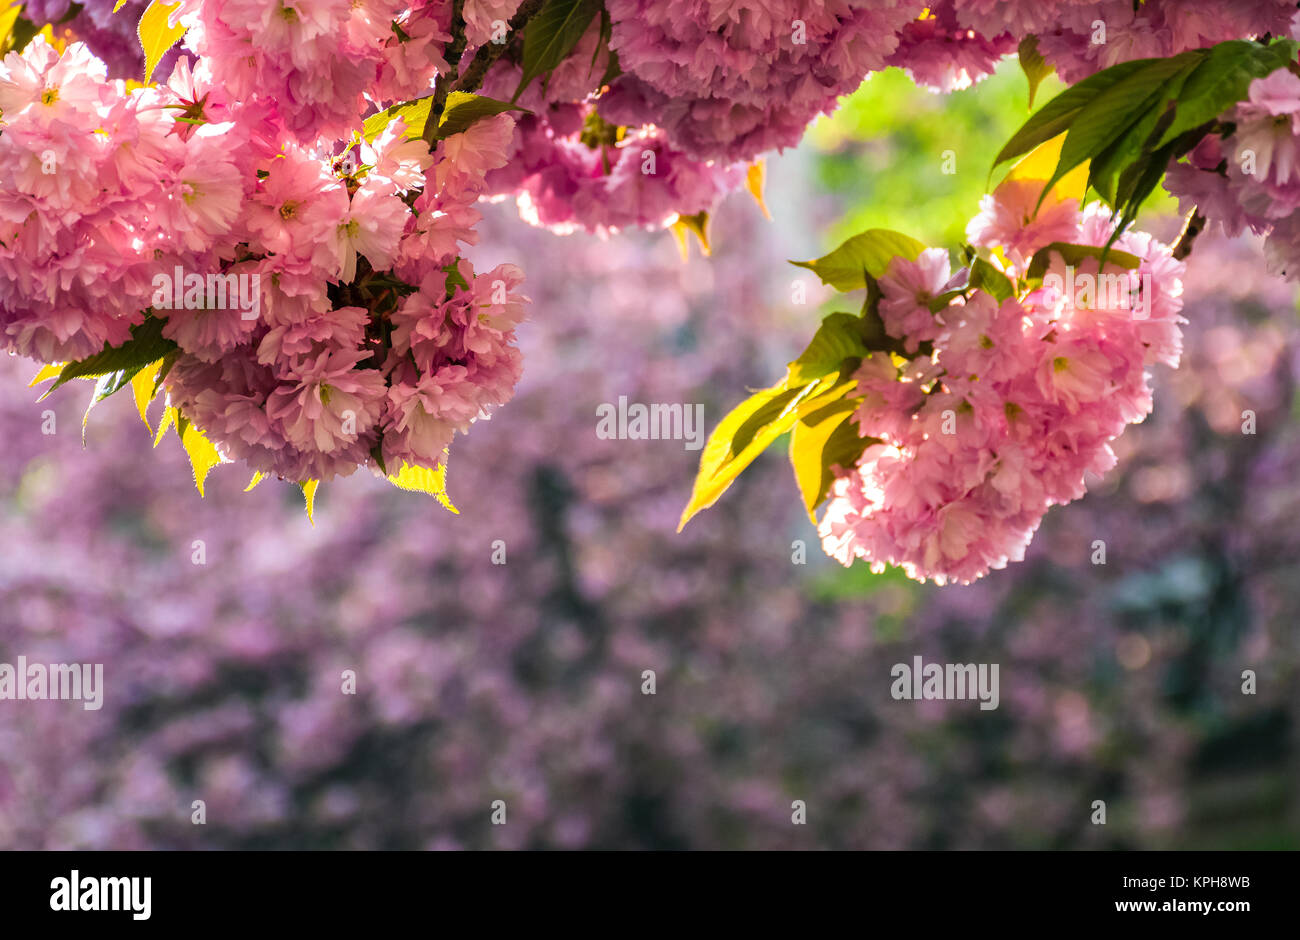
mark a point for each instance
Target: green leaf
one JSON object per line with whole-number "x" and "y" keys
{"x": 1113, "y": 126}
{"x": 984, "y": 276}
{"x": 1222, "y": 79}
{"x": 551, "y": 35}
{"x": 454, "y": 278}
{"x": 839, "y": 337}
{"x": 139, "y": 378}
{"x": 463, "y": 109}
{"x": 146, "y": 345}
{"x": 1072, "y": 255}
{"x": 425, "y": 480}
{"x": 1055, "y": 117}
{"x": 415, "y": 113}
{"x": 748, "y": 430}
{"x": 157, "y": 35}
{"x": 1033, "y": 65}
{"x": 1132, "y": 143}
{"x": 820, "y": 441}
{"x": 871, "y": 251}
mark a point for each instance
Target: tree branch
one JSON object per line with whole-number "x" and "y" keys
{"x": 489, "y": 52}
{"x": 455, "y": 49}
{"x": 1187, "y": 237}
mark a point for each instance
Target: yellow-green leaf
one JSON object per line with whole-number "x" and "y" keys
{"x": 1040, "y": 163}
{"x": 415, "y": 113}
{"x": 258, "y": 477}
{"x": 685, "y": 226}
{"x": 748, "y": 430}
{"x": 867, "y": 253}
{"x": 1033, "y": 65}
{"x": 838, "y": 338}
{"x": 8, "y": 17}
{"x": 821, "y": 440}
{"x": 169, "y": 416}
{"x": 755, "y": 182}
{"x": 48, "y": 371}
{"x": 143, "y": 386}
{"x": 203, "y": 456}
{"x": 309, "y": 494}
{"x": 120, "y": 3}
{"x": 424, "y": 480}
{"x": 157, "y": 34}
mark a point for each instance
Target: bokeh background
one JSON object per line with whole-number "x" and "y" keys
{"x": 522, "y": 682}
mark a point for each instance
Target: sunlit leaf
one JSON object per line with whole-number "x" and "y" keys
{"x": 145, "y": 387}
{"x": 820, "y": 441}
{"x": 258, "y": 477}
{"x": 1040, "y": 163}
{"x": 424, "y": 480}
{"x": 309, "y": 494}
{"x": 749, "y": 429}
{"x": 8, "y": 17}
{"x": 203, "y": 456}
{"x": 169, "y": 416}
{"x": 871, "y": 251}
{"x": 157, "y": 34}
{"x": 48, "y": 371}
{"x": 755, "y": 182}
{"x": 146, "y": 345}
{"x": 839, "y": 337}
{"x": 688, "y": 225}
{"x": 463, "y": 109}
{"x": 414, "y": 113}
{"x": 1073, "y": 255}
{"x": 984, "y": 276}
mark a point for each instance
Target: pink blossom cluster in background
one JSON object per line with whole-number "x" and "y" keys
{"x": 1018, "y": 401}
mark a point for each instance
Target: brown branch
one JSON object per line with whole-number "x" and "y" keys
{"x": 489, "y": 52}
{"x": 1187, "y": 237}
{"x": 455, "y": 49}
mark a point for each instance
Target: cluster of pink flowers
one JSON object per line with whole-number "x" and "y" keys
{"x": 1080, "y": 37}
{"x": 86, "y": 175}
{"x": 1017, "y": 400}
{"x": 316, "y": 61}
{"x": 364, "y": 338}
{"x": 943, "y": 53}
{"x": 359, "y": 335}
{"x": 571, "y": 170}
{"x": 1250, "y": 179}
{"x": 729, "y": 81}
{"x": 636, "y": 178}
{"x": 703, "y": 86}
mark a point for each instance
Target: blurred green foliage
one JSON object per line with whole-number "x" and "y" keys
{"x": 882, "y": 153}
